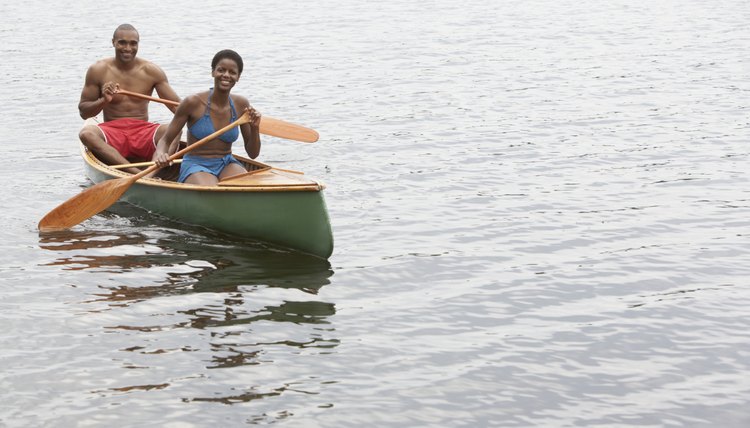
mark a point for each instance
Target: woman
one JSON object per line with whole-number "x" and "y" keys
{"x": 205, "y": 113}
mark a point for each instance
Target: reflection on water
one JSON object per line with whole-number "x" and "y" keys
{"x": 240, "y": 304}
{"x": 212, "y": 261}
{"x": 232, "y": 314}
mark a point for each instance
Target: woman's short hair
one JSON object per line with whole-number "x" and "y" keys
{"x": 229, "y": 54}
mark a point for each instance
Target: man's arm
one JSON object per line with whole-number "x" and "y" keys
{"x": 93, "y": 97}
{"x": 163, "y": 88}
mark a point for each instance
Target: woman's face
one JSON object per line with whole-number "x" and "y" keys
{"x": 226, "y": 74}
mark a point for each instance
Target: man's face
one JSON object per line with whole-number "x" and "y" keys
{"x": 126, "y": 45}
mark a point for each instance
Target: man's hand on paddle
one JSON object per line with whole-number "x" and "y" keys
{"x": 109, "y": 90}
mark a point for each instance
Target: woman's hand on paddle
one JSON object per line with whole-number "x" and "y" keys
{"x": 254, "y": 116}
{"x": 251, "y": 131}
{"x": 161, "y": 159}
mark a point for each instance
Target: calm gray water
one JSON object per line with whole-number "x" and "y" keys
{"x": 541, "y": 212}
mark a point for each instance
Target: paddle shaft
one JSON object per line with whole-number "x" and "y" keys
{"x": 267, "y": 126}
{"x": 148, "y": 97}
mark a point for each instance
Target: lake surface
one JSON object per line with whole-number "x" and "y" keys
{"x": 541, "y": 213}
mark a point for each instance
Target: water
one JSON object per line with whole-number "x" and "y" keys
{"x": 540, "y": 212}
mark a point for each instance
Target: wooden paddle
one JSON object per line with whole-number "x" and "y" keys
{"x": 99, "y": 197}
{"x": 268, "y": 125}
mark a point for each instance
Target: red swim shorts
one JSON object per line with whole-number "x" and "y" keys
{"x": 133, "y": 138}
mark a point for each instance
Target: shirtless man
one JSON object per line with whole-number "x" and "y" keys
{"x": 125, "y": 135}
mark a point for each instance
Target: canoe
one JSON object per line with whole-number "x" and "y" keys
{"x": 277, "y": 206}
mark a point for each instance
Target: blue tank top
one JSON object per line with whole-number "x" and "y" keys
{"x": 204, "y": 127}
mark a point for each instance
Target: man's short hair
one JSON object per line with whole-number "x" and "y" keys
{"x": 124, "y": 27}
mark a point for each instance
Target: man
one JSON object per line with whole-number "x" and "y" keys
{"x": 125, "y": 135}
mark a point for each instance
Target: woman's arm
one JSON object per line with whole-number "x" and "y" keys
{"x": 166, "y": 146}
{"x": 250, "y": 131}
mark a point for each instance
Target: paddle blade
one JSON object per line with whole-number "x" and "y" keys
{"x": 86, "y": 204}
{"x": 290, "y": 131}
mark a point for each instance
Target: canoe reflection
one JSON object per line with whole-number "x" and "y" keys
{"x": 163, "y": 292}
{"x": 190, "y": 262}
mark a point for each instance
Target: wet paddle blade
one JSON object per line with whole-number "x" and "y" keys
{"x": 86, "y": 204}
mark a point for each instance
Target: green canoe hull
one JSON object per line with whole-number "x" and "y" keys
{"x": 296, "y": 220}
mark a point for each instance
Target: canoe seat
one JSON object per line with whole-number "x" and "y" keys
{"x": 272, "y": 177}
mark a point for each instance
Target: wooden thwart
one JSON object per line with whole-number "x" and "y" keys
{"x": 271, "y": 177}
{"x": 138, "y": 164}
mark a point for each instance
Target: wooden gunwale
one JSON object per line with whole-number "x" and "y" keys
{"x": 311, "y": 186}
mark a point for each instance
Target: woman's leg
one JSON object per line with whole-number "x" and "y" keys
{"x": 231, "y": 170}
{"x": 202, "y": 178}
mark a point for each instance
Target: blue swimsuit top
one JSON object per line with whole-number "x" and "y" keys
{"x": 204, "y": 127}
